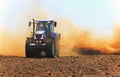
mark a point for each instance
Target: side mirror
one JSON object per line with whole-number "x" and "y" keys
{"x": 55, "y": 23}
{"x": 29, "y": 24}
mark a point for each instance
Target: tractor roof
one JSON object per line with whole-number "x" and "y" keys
{"x": 45, "y": 21}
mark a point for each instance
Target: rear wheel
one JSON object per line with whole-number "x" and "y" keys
{"x": 57, "y": 49}
{"x": 50, "y": 48}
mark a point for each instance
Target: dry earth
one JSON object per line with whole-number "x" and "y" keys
{"x": 79, "y": 66}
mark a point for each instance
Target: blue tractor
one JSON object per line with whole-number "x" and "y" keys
{"x": 43, "y": 40}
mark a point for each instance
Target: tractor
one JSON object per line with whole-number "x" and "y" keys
{"x": 44, "y": 41}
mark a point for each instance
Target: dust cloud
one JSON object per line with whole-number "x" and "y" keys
{"x": 75, "y": 38}
{"x": 14, "y": 31}
{"x": 72, "y": 38}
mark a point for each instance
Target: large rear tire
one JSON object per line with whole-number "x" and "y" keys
{"x": 50, "y": 48}
{"x": 57, "y": 45}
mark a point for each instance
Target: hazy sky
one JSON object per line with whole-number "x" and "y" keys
{"x": 101, "y": 15}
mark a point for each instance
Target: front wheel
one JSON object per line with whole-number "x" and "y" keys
{"x": 28, "y": 52}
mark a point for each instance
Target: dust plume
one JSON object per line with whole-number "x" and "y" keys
{"x": 11, "y": 44}
{"x": 74, "y": 38}
{"x": 115, "y": 42}
{"x": 14, "y": 30}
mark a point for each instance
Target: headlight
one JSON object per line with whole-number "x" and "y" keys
{"x": 38, "y": 41}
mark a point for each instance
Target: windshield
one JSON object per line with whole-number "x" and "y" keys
{"x": 41, "y": 26}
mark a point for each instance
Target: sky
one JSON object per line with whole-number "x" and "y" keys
{"x": 99, "y": 15}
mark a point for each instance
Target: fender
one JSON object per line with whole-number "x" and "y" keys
{"x": 54, "y": 35}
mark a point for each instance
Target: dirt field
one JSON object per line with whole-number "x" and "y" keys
{"x": 80, "y": 66}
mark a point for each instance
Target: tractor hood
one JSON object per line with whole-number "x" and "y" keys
{"x": 40, "y": 32}
{"x": 39, "y": 35}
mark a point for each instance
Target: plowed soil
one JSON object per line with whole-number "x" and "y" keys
{"x": 80, "y": 66}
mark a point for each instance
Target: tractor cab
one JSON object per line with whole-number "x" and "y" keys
{"x": 45, "y": 26}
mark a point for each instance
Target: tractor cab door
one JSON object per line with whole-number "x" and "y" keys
{"x": 51, "y": 27}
